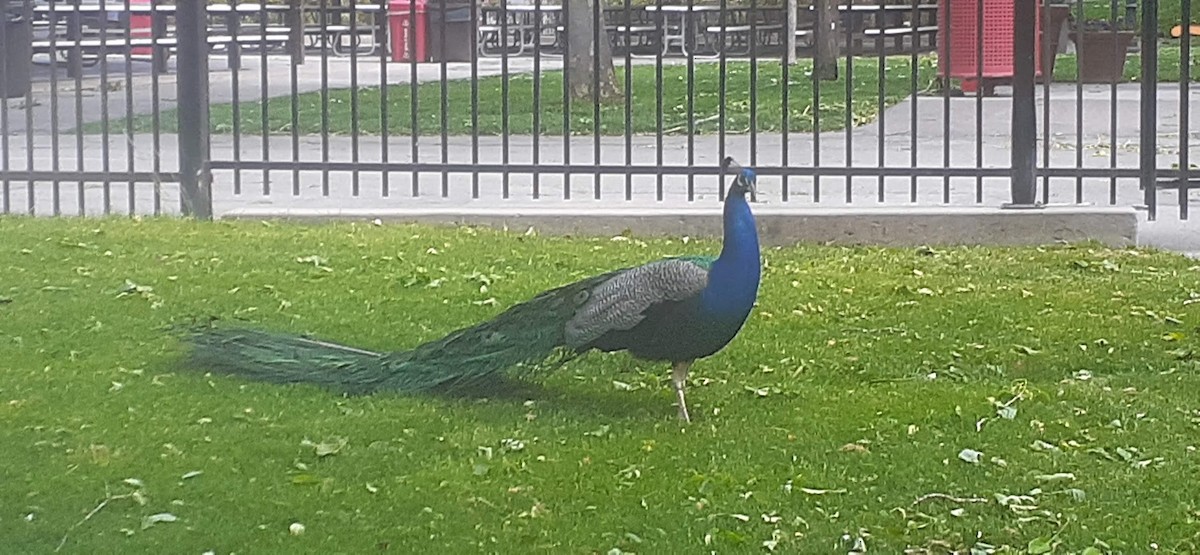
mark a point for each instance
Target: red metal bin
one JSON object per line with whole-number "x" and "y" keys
{"x": 959, "y": 42}
{"x": 406, "y": 35}
{"x": 141, "y": 26}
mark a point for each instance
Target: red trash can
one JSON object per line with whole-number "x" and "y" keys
{"x": 405, "y": 35}
{"x": 959, "y": 39}
{"x": 141, "y": 26}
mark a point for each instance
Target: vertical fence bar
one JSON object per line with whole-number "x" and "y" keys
{"x": 979, "y": 23}
{"x": 1024, "y": 124}
{"x": 686, "y": 24}
{"x": 75, "y": 64}
{"x": 566, "y": 97}
{"x": 414, "y": 120}
{"x": 1045, "y": 58}
{"x": 158, "y": 26}
{"x": 105, "y": 125}
{"x": 880, "y": 93}
{"x": 504, "y": 86}
{"x": 1079, "y": 63}
{"x": 383, "y": 47}
{"x": 660, "y": 28}
{"x": 722, "y": 93}
{"x": 235, "y": 85}
{"x": 79, "y": 136}
{"x": 5, "y": 164}
{"x": 821, "y": 27}
{"x": 628, "y": 96}
{"x": 323, "y": 7}
{"x": 355, "y": 123}
{"x": 753, "y": 85}
{"x": 265, "y": 98}
{"x": 598, "y": 33}
{"x": 102, "y": 17}
{"x": 536, "y": 131}
{"x": 785, "y": 66}
{"x": 949, "y": 65}
{"x": 849, "y": 119}
{"x": 914, "y": 74}
{"x": 195, "y": 192}
{"x": 295, "y": 99}
{"x": 1112, "y": 112}
{"x": 475, "y": 12}
{"x": 1185, "y": 78}
{"x": 1148, "y": 147}
{"x": 29, "y": 189}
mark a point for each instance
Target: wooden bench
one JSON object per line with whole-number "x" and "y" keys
{"x": 898, "y": 35}
{"x": 334, "y": 36}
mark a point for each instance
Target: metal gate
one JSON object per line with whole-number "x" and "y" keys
{"x": 326, "y": 105}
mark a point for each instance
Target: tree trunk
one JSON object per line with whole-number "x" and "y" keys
{"x": 826, "y": 30}
{"x": 580, "y": 34}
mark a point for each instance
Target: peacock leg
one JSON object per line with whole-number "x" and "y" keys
{"x": 679, "y": 371}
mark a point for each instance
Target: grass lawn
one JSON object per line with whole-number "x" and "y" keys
{"x": 769, "y": 107}
{"x": 1040, "y": 399}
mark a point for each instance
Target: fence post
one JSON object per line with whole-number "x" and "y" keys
{"x": 195, "y": 190}
{"x": 1024, "y": 107}
{"x": 1147, "y": 132}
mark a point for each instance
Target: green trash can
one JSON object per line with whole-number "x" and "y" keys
{"x": 17, "y": 58}
{"x": 449, "y": 23}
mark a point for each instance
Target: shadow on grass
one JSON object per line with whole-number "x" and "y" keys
{"x": 565, "y": 402}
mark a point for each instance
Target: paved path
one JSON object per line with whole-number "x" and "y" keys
{"x": 1070, "y": 144}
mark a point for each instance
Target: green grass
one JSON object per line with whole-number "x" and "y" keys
{"x": 643, "y": 103}
{"x": 837, "y": 413}
{"x": 835, "y": 112}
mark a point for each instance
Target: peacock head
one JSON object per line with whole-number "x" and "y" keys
{"x": 744, "y": 179}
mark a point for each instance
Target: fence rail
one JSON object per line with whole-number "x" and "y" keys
{"x": 201, "y": 108}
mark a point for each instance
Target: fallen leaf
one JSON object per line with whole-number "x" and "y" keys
{"x": 157, "y": 518}
{"x": 970, "y": 455}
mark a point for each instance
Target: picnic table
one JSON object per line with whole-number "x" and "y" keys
{"x": 526, "y": 24}
{"x": 680, "y": 25}
{"x": 336, "y": 21}
{"x": 66, "y": 24}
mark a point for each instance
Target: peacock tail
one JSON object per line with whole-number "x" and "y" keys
{"x": 520, "y": 337}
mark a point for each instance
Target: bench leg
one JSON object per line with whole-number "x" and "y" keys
{"x": 75, "y": 53}
{"x": 159, "y": 55}
{"x": 232, "y": 21}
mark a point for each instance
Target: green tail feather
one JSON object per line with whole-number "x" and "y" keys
{"x": 523, "y": 335}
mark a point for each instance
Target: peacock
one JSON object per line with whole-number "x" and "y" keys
{"x": 676, "y": 310}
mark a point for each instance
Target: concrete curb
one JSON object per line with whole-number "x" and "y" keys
{"x": 907, "y": 226}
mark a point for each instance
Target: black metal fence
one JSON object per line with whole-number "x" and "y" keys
{"x": 148, "y": 107}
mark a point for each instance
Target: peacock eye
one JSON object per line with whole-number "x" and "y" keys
{"x": 581, "y": 297}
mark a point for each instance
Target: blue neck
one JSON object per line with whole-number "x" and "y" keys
{"x": 734, "y": 276}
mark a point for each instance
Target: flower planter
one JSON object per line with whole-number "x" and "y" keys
{"x": 1101, "y": 54}
{"x": 1057, "y": 16}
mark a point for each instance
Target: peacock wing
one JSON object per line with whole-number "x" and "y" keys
{"x": 622, "y": 301}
